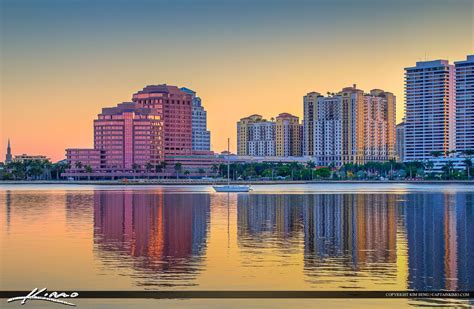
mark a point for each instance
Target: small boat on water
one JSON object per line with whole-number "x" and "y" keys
{"x": 233, "y": 188}
{"x": 229, "y": 187}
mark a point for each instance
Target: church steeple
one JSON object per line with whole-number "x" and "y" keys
{"x": 8, "y": 157}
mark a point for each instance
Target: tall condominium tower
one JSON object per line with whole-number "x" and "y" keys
{"x": 465, "y": 104}
{"x": 255, "y": 136}
{"x": 261, "y": 139}
{"x": 243, "y": 133}
{"x": 379, "y": 126}
{"x": 429, "y": 109}
{"x": 289, "y": 135}
{"x": 309, "y": 103}
{"x": 352, "y": 127}
{"x": 201, "y": 137}
{"x": 175, "y": 108}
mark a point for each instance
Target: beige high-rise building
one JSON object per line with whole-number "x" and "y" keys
{"x": 379, "y": 126}
{"x": 289, "y": 135}
{"x": 244, "y": 133}
{"x": 309, "y": 106}
{"x": 352, "y": 127}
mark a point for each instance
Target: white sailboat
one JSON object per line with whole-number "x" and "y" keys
{"x": 229, "y": 187}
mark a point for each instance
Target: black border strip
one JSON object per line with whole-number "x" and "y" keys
{"x": 255, "y": 294}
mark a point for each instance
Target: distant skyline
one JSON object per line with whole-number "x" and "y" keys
{"x": 62, "y": 61}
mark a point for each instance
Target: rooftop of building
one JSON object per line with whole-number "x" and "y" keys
{"x": 187, "y": 90}
{"x": 286, "y": 115}
{"x": 429, "y": 64}
{"x": 130, "y": 107}
{"x": 469, "y": 59}
{"x": 162, "y": 88}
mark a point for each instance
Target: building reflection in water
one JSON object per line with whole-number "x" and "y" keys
{"x": 161, "y": 236}
{"x": 262, "y": 216}
{"x": 360, "y": 236}
{"x": 354, "y": 230}
{"x": 440, "y": 230}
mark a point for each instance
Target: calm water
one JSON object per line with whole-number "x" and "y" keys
{"x": 301, "y": 237}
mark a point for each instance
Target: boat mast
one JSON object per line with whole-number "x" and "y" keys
{"x": 228, "y": 164}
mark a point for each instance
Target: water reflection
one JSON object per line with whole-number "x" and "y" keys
{"x": 163, "y": 234}
{"x": 440, "y": 231}
{"x": 347, "y": 235}
{"x": 358, "y": 240}
{"x": 149, "y": 239}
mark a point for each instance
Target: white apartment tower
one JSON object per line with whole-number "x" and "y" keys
{"x": 465, "y": 104}
{"x": 201, "y": 137}
{"x": 429, "y": 109}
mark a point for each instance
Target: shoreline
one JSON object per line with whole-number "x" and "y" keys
{"x": 181, "y": 182}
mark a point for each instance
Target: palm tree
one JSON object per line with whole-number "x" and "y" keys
{"x": 215, "y": 168}
{"x": 468, "y": 163}
{"x": 447, "y": 169}
{"x": 468, "y": 152}
{"x": 148, "y": 168}
{"x": 429, "y": 165}
{"x": 178, "y": 167}
{"x": 436, "y": 154}
{"x": 88, "y": 170}
{"x": 158, "y": 168}
{"x": 186, "y": 172}
{"x": 135, "y": 168}
{"x": 47, "y": 167}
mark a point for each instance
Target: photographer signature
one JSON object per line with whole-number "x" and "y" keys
{"x": 37, "y": 294}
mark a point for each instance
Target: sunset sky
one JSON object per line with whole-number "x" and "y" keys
{"x": 62, "y": 61}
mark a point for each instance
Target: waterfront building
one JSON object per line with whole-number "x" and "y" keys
{"x": 201, "y": 137}
{"x": 78, "y": 158}
{"x": 379, "y": 126}
{"x": 243, "y": 133}
{"x": 148, "y": 136}
{"x": 261, "y": 139}
{"x": 288, "y": 133}
{"x": 131, "y": 135}
{"x": 309, "y": 103}
{"x": 350, "y": 126}
{"x": 175, "y": 109}
{"x": 26, "y": 157}
{"x": 429, "y": 109}
{"x": 8, "y": 156}
{"x": 400, "y": 141}
{"x": 464, "y": 104}
{"x": 256, "y": 136}
{"x": 127, "y": 137}
{"x": 438, "y": 164}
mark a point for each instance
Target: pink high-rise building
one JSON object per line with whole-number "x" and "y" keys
{"x": 136, "y": 137}
{"x": 126, "y": 137}
{"x": 175, "y": 107}
{"x": 129, "y": 134}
